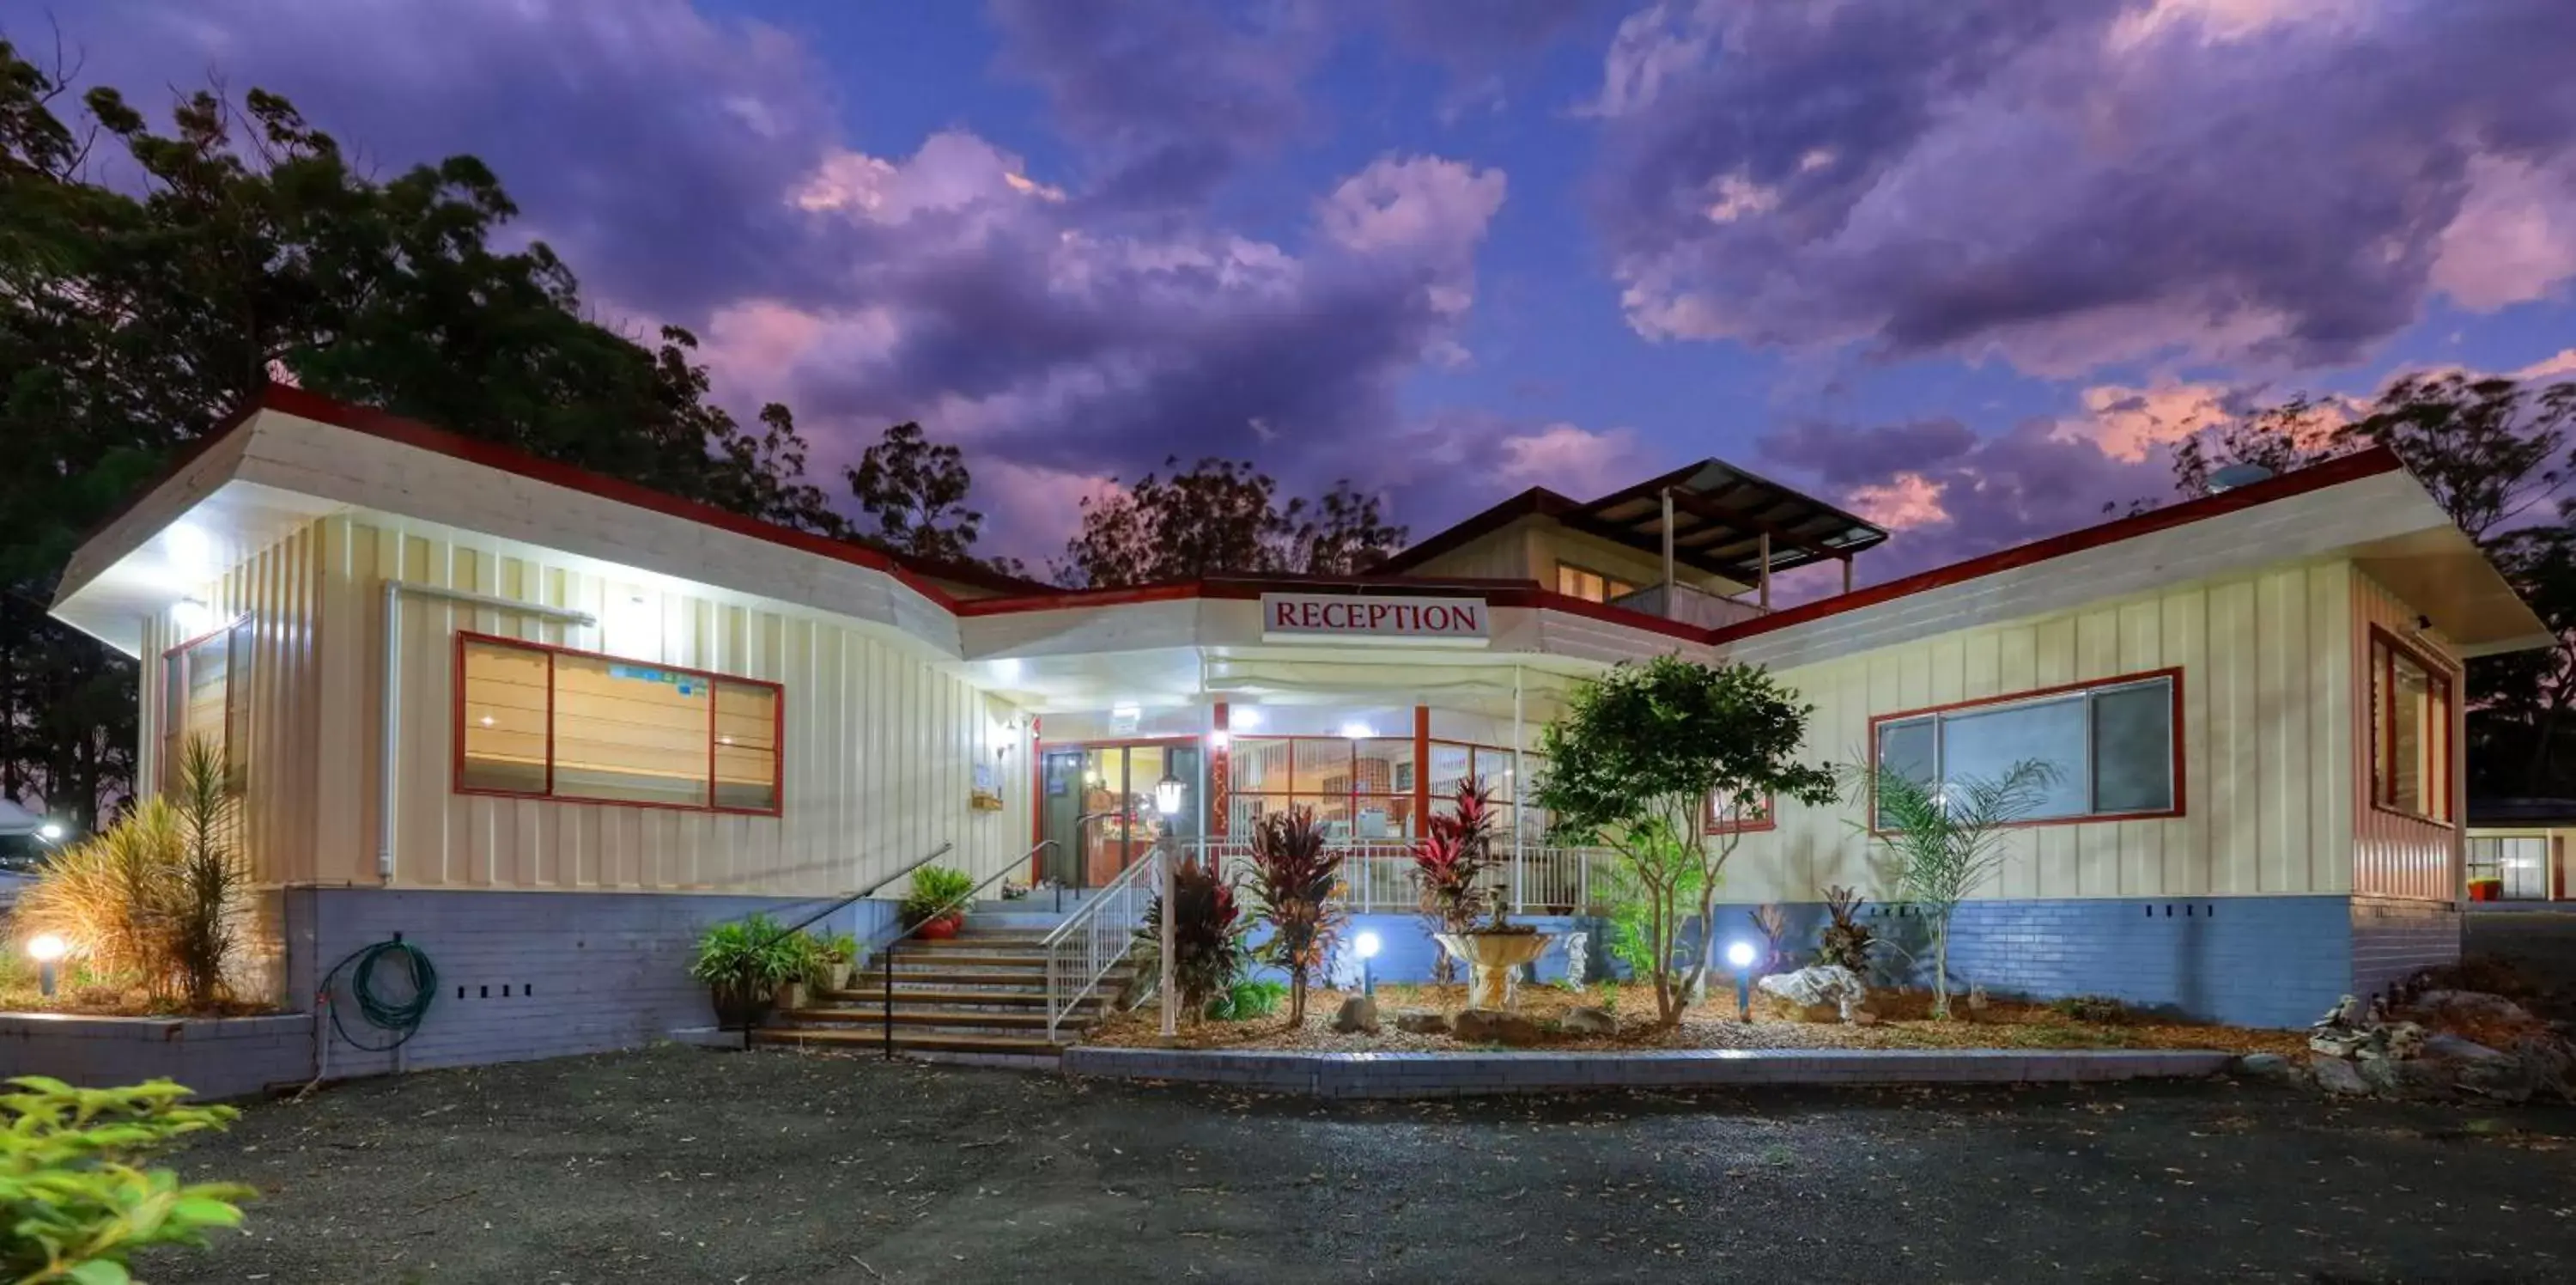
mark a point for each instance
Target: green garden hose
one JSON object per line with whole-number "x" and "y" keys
{"x": 401, "y": 1016}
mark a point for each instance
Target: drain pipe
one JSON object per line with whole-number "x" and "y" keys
{"x": 388, "y": 770}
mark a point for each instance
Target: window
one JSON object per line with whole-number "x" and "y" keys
{"x": 1591, "y": 586}
{"x": 197, "y": 681}
{"x": 1727, "y": 818}
{"x": 548, "y": 723}
{"x": 2518, "y": 864}
{"x": 1361, "y": 789}
{"x": 2111, "y": 744}
{"x": 2410, "y": 731}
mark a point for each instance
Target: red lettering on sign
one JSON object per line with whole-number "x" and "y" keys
{"x": 1282, "y": 614}
{"x": 1467, "y": 620}
{"x": 1377, "y": 614}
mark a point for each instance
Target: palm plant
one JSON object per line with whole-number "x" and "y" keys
{"x": 1208, "y": 928}
{"x": 1293, "y": 878}
{"x": 1946, "y": 840}
{"x": 210, "y": 894}
{"x": 1449, "y": 866}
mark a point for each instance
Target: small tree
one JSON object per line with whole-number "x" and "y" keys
{"x": 1945, "y": 841}
{"x": 1640, "y": 756}
{"x": 1449, "y": 866}
{"x": 1208, "y": 928}
{"x": 1293, "y": 875}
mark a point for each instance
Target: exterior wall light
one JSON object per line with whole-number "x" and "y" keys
{"x": 47, "y": 950}
{"x": 192, "y": 617}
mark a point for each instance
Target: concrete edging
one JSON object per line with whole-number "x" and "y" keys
{"x": 1427, "y": 1075}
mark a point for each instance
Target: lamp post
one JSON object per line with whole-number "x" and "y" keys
{"x": 1367, "y": 945}
{"x": 46, "y": 949}
{"x": 1740, "y": 956}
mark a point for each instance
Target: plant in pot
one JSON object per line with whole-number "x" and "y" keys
{"x": 835, "y": 956}
{"x": 746, "y": 963}
{"x": 935, "y": 904}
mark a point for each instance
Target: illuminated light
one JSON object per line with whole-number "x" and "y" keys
{"x": 45, "y": 948}
{"x": 1217, "y": 739}
{"x": 1126, "y": 711}
{"x": 1368, "y": 945}
{"x": 724, "y": 740}
{"x": 192, "y": 551}
{"x": 1740, "y": 954}
{"x": 1167, "y": 794}
{"x": 50, "y": 832}
{"x": 192, "y": 616}
{"x": 1357, "y": 731}
{"x": 1007, "y": 669}
{"x": 487, "y": 720}
{"x": 1243, "y": 718}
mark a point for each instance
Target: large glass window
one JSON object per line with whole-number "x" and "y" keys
{"x": 2110, "y": 747}
{"x": 2410, "y": 742}
{"x": 2518, "y": 864}
{"x": 1590, "y": 585}
{"x": 569, "y": 725}
{"x": 198, "y": 679}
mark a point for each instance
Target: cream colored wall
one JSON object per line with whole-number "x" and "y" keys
{"x": 2266, "y": 730}
{"x": 1530, "y": 548}
{"x": 879, "y": 749}
{"x": 2396, "y": 855}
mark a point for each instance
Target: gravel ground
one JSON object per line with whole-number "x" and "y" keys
{"x": 687, "y": 1165}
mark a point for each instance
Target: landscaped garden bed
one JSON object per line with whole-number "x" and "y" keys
{"x": 1903, "y": 1023}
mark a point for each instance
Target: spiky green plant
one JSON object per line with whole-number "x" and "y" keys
{"x": 1946, "y": 840}
{"x": 1293, "y": 878}
{"x": 934, "y": 890}
{"x": 107, "y": 897}
{"x": 211, "y": 895}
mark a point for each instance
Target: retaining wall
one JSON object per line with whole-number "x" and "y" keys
{"x": 218, "y": 1057}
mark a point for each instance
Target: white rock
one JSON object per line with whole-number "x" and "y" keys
{"x": 1819, "y": 985}
{"x": 1588, "y": 1021}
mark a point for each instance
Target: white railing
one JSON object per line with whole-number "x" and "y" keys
{"x": 1098, "y": 934}
{"x": 1377, "y": 878}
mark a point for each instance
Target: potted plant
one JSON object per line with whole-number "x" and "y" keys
{"x": 935, "y": 904}
{"x": 835, "y": 956}
{"x": 749, "y": 965}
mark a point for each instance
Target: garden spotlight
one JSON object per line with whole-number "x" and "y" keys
{"x": 1366, "y": 944}
{"x": 1740, "y": 954}
{"x": 46, "y": 949}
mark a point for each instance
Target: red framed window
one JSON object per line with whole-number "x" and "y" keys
{"x": 534, "y": 721}
{"x": 2115, "y": 745}
{"x": 1724, "y": 818}
{"x": 2410, "y": 731}
{"x": 1359, "y": 788}
{"x": 199, "y": 679}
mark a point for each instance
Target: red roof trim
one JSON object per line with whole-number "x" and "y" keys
{"x": 2316, "y": 477}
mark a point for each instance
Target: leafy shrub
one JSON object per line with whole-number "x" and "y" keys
{"x": 934, "y": 889}
{"x": 158, "y": 898}
{"x": 745, "y": 961}
{"x": 74, "y": 1205}
{"x": 1610, "y": 997}
{"x": 1293, "y": 875}
{"x": 1208, "y": 928}
{"x": 1846, "y": 940}
{"x": 1449, "y": 866}
{"x": 1248, "y": 1000}
{"x": 2101, "y": 1010}
{"x": 1773, "y": 923}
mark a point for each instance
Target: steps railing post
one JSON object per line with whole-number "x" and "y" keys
{"x": 888, "y": 970}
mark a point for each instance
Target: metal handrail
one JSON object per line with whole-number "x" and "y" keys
{"x": 885, "y": 951}
{"x": 1098, "y": 956}
{"x": 819, "y": 915}
{"x": 879, "y": 885}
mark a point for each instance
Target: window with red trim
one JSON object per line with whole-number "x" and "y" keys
{"x": 545, "y": 722}
{"x": 2410, "y": 731}
{"x": 1728, "y": 818}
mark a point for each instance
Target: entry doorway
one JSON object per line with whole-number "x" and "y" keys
{"x": 1101, "y": 807}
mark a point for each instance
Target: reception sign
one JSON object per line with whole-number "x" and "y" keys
{"x": 1321, "y": 617}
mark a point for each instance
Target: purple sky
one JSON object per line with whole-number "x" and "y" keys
{"x": 1964, "y": 267}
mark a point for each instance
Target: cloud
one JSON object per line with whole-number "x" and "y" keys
{"x": 1567, "y": 459}
{"x": 2073, "y": 183}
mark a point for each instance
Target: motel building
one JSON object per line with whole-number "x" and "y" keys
{"x": 547, "y": 726}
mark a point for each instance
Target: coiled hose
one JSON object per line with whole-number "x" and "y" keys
{"x": 401, "y": 1016}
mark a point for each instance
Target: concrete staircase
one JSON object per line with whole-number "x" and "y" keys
{"x": 980, "y": 994}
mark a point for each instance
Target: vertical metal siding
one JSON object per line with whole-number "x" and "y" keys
{"x": 2266, "y": 729}
{"x": 2395, "y": 855}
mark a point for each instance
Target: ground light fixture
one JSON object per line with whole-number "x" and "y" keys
{"x": 47, "y": 950}
{"x": 1367, "y": 945}
{"x": 1739, "y": 955}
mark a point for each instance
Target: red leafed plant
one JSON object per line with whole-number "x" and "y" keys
{"x": 1293, "y": 874}
{"x": 1449, "y": 866}
{"x": 1208, "y": 929}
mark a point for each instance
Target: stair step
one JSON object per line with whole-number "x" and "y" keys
{"x": 859, "y": 999}
{"x": 913, "y": 1041}
{"x": 956, "y": 1017}
{"x": 904, "y": 978}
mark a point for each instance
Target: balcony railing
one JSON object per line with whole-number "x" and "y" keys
{"x": 1377, "y": 878}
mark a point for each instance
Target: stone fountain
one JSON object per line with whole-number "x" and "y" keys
{"x": 1494, "y": 956}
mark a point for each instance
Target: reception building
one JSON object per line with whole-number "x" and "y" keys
{"x": 547, "y": 725}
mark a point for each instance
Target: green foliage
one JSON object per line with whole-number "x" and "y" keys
{"x": 1845, "y": 940}
{"x": 2100, "y": 1010}
{"x": 745, "y": 961}
{"x": 1293, "y": 877}
{"x": 836, "y": 948}
{"x": 916, "y": 490}
{"x": 156, "y": 900}
{"x": 934, "y": 890}
{"x": 1222, "y": 516}
{"x": 75, "y": 1203}
{"x": 1248, "y": 1000}
{"x": 1945, "y": 840}
{"x": 1208, "y": 930}
{"x": 1639, "y": 756}
{"x": 1610, "y": 996}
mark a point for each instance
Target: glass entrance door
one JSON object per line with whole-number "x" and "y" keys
{"x": 1103, "y": 806}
